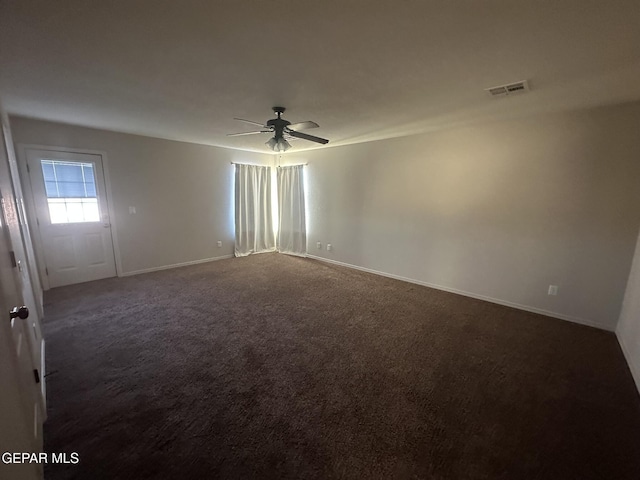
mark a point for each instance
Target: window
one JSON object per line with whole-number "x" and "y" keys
{"x": 71, "y": 191}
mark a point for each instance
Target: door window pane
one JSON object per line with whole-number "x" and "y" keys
{"x": 58, "y": 211}
{"x": 71, "y": 191}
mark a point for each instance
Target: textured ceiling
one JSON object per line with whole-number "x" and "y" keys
{"x": 363, "y": 70}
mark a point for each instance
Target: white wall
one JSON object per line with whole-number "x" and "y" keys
{"x": 498, "y": 211}
{"x": 628, "y": 330}
{"x": 183, "y": 193}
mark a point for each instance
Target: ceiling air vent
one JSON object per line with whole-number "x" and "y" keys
{"x": 510, "y": 89}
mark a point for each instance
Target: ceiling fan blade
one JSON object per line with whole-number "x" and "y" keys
{"x": 303, "y": 125}
{"x": 248, "y": 133}
{"x": 250, "y": 121}
{"x": 304, "y": 136}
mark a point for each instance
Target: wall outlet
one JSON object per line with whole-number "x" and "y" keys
{"x": 553, "y": 290}
{"x": 132, "y": 210}
{"x": 319, "y": 245}
{"x": 328, "y": 246}
{"x": 219, "y": 243}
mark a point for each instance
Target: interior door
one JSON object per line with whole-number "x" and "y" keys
{"x": 15, "y": 228}
{"x": 20, "y": 410}
{"x": 72, "y": 215}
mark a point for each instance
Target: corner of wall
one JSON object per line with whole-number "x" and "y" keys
{"x": 628, "y": 327}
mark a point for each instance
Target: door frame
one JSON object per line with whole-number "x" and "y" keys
{"x": 31, "y": 210}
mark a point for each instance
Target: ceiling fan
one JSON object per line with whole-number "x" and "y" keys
{"x": 283, "y": 130}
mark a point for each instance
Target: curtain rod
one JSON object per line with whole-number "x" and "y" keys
{"x": 256, "y": 165}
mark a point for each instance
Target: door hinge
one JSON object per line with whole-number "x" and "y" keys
{"x": 38, "y": 221}
{"x": 46, "y": 270}
{"x": 12, "y": 255}
{"x": 36, "y": 375}
{"x": 28, "y": 169}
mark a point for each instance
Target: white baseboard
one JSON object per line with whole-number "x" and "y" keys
{"x": 506, "y": 303}
{"x": 291, "y": 254}
{"x": 175, "y": 265}
{"x": 635, "y": 369}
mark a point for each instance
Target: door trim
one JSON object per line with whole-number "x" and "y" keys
{"x": 30, "y": 202}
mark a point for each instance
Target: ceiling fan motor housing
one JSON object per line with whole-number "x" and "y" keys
{"x": 278, "y": 124}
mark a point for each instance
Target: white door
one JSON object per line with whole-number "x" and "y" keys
{"x": 17, "y": 230}
{"x": 20, "y": 409}
{"x": 72, "y": 215}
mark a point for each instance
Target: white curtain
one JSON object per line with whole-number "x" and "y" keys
{"x": 292, "y": 230}
{"x": 254, "y": 221}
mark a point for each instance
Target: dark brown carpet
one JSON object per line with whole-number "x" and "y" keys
{"x": 279, "y": 367}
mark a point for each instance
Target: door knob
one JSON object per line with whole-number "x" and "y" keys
{"x": 22, "y": 312}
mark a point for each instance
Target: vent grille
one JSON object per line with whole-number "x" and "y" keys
{"x": 509, "y": 89}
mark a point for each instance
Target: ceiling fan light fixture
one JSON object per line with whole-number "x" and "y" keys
{"x": 279, "y": 145}
{"x": 282, "y": 145}
{"x": 272, "y": 143}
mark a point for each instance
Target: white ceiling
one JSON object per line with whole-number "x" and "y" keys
{"x": 362, "y": 69}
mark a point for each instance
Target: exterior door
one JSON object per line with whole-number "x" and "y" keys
{"x": 72, "y": 215}
{"x": 21, "y": 414}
